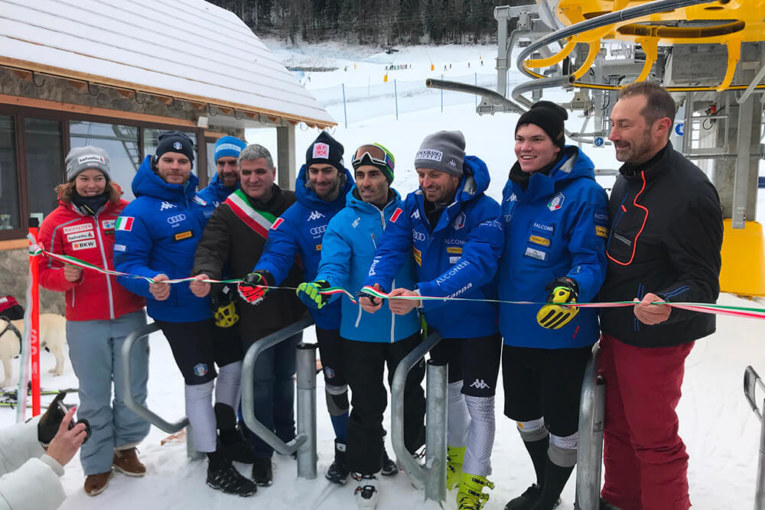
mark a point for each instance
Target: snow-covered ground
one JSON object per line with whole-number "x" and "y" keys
{"x": 721, "y": 432}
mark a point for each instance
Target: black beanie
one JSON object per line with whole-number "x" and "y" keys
{"x": 325, "y": 150}
{"x": 174, "y": 141}
{"x": 549, "y": 116}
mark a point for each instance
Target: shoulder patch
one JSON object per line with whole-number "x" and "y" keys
{"x": 395, "y": 215}
{"x": 124, "y": 223}
{"x": 276, "y": 224}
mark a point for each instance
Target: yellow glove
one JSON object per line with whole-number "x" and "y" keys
{"x": 556, "y": 315}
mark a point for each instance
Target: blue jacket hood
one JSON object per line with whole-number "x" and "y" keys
{"x": 574, "y": 164}
{"x": 146, "y": 182}
{"x": 309, "y": 199}
{"x": 216, "y": 191}
{"x": 475, "y": 180}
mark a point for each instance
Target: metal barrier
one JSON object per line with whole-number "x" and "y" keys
{"x": 589, "y": 455}
{"x": 305, "y": 441}
{"x": 140, "y": 409}
{"x": 751, "y": 382}
{"x": 431, "y": 476}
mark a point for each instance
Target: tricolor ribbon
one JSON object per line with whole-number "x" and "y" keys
{"x": 735, "y": 311}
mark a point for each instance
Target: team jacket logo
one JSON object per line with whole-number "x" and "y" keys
{"x": 176, "y": 219}
{"x": 512, "y": 198}
{"x": 415, "y": 215}
{"x": 395, "y": 215}
{"x": 417, "y": 235}
{"x": 277, "y": 223}
{"x": 315, "y": 215}
{"x": 177, "y": 146}
{"x": 78, "y": 228}
{"x": 79, "y": 236}
{"x": 107, "y": 224}
{"x": 124, "y": 223}
{"x": 556, "y": 202}
{"x": 317, "y": 231}
{"x": 89, "y": 159}
{"x": 180, "y": 236}
{"x": 81, "y": 245}
{"x": 166, "y": 205}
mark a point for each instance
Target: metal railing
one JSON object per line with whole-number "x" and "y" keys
{"x": 125, "y": 391}
{"x": 590, "y": 452}
{"x": 305, "y": 441}
{"x": 431, "y": 476}
{"x": 751, "y": 382}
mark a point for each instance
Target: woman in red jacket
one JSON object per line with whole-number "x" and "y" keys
{"x": 100, "y": 313}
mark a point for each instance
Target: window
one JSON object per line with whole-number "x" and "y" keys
{"x": 10, "y": 217}
{"x": 120, "y": 142}
{"x": 150, "y": 141}
{"x": 45, "y": 164}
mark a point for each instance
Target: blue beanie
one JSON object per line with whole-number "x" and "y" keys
{"x": 228, "y": 146}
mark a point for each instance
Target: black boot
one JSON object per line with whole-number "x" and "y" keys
{"x": 389, "y": 466}
{"x": 338, "y": 471}
{"x": 262, "y": 472}
{"x": 231, "y": 438}
{"x": 555, "y": 479}
{"x": 538, "y": 453}
{"x": 223, "y": 476}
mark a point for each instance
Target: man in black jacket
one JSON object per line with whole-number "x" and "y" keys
{"x": 664, "y": 247}
{"x": 234, "y": 239}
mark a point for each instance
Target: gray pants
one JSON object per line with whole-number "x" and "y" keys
{"x": 95, "y": 349}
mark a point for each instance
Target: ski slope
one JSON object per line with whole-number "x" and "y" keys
{"x": 721, "y": 432}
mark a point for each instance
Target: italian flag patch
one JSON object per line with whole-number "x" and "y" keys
{"x": 124, "y": 223}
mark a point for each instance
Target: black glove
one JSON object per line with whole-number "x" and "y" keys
{"x": 50, "y": 421}
{"x": 556, "y": 315}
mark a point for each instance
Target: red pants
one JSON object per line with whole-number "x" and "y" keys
{"x": 645, "y": 459}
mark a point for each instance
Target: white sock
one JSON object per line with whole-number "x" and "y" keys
{"x": 480, "y": 441}
{"x": 458, "y": 417}
{"x": 199, "y": 409}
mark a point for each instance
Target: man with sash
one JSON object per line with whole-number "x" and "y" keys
{"x": 234, "y": 239}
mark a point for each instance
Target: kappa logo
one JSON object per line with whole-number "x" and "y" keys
{"x": 556, "y": 202}
{"x": 415, "y": 215}
{"x": 173, "y": 220}
{"x": 480, "y": 384}
{"x": 315, "y": 215}
{"x": 356, "y": 222}
{"x": 512, "y": 198}
{"x": 166, "y": 205}
{"x": 452, "y": 163}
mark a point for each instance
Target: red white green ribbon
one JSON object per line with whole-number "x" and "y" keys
{"x": 734, "y": 311}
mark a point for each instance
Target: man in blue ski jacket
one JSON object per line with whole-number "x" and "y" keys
{"x": 320, "y": 189}
{"x": 156, "y": 237}
{"x": 369, "y": 342}
{"x": 556, "y": 226}
{"x": 226, "y": 178}
{"x": 452, "y": 228}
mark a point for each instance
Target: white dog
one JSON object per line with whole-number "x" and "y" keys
{"x": 52, "y": 337}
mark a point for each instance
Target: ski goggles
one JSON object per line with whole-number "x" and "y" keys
{"x": 375, "y": 155}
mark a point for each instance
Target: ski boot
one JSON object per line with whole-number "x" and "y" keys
{"x": 454, "y": 457}
{"x": 223, "y": 476}
{"x": 338, "y": 471}
{"x": 470, "y": 495}
{"x": 366, "y": 493}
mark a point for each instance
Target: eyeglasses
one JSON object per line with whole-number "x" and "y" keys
{"x": 373, "y": 155}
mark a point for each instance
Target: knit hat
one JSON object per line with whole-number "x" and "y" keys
{"x": 228, "y": 146}
{"x": 325, "y": 150}
{"x": 443, "y": 151}
{"x": 376, "y": 155}
{"x": 174, "y": 141}
{"x": 549, "y": 116}
{"x": 84, "y": 158}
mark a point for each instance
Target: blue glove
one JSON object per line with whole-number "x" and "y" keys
{"x": 556, "y": 315}
{"x": 310, "y": 294}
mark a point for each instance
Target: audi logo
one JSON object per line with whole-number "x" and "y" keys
{"x": 176, "y": 219}
{"x": 417, "y": 235}
{"x": 318, "y": 230}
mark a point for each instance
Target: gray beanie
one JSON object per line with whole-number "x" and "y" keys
{"x": 443, "y": 151}
{"x": 85, "y": 158}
